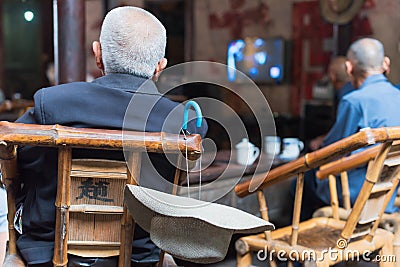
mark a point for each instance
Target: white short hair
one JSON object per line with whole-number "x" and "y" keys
{"x": 133, "y": 41}
{"x": 367, "y": 55}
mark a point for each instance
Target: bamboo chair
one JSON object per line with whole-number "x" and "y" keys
{"x": 77, "y": 212}
{"x": 18, "y": 106}
{"x": 390, "y": 222}
{"x": 309, "y": 239}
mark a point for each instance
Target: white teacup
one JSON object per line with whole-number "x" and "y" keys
{"x": 291, "y": 148}
{"x": 272, "y": 145}
{"x": 247, "y": 153}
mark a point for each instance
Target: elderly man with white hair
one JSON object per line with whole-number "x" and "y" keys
{"x": 130, "y": 52}
{"x": 374, "y": 103}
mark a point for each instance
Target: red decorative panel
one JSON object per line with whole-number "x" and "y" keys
{"x": 312, "y": 49}
{"x": 313, "y": 45}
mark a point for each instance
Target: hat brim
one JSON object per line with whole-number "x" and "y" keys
{"x": 189, "y": 229}
{"x": 340, "y": 18}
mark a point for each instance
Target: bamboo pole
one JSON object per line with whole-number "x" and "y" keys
{"x": 9, "y": 174}
{"x": 347, "y": 163}
{"x": 56, "y": 135}
{"x": 297, "y": 208}
{"x": 177, "y": 174}
{"x": 63, "y": 202}
{"x": 334, "y": 197}
{"x": 344, "y": 179}
{"x": 262, "y": 202}
{"x": 128, "y": 224}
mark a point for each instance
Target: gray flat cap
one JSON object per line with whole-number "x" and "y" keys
{"x": 187, "y": 228}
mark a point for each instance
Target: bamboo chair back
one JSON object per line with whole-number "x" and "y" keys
{"x": 387, "y": 180}
{"x": 362, "y": 221}
{"x": 345, "y": 164}
{"x": 97, "y": 207}
{"x": 76, "y": 210}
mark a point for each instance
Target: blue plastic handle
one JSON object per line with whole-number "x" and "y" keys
{"x": 199, "y": 115}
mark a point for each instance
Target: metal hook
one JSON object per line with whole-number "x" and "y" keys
{"x": 199, "y": 115}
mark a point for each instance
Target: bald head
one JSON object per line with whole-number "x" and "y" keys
{"x": 337, "y": 72}
{"x": 132, "y": 41}
{"x": 367, "y": 56}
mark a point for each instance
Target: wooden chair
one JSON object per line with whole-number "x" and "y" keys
{"x": 87, "y": 222}
{"x": 308, "y": 240}
{"x": 18, "y": 107}
{"x": 389, "y": 222}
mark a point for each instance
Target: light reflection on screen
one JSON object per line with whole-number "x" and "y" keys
{"x": 262, "y": 60}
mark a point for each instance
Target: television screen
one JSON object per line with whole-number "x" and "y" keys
{"x": 260, "y": 59}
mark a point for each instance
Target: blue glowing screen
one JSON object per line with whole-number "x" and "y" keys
{"x": 260, "y": 59}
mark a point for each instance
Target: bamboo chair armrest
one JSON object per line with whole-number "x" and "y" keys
{"x": 8, "y": 105}
{"x": 57, "y": 135}
{"x": 322, "y": 156}
{"x": 347, "y": 163}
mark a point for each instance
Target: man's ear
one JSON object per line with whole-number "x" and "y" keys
{"x": 386, "y": 65}
{"x": 161, "y": 65}
{"x": 349, "y": 67}
{"x": 98, "y": 56}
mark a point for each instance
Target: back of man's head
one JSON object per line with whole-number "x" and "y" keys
{"x": 337, "y": 70}
{"x": 133, "y": 42}
{"x": 367, "y": 56}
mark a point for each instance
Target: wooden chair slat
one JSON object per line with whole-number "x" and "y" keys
{"x": 85, "y": 208}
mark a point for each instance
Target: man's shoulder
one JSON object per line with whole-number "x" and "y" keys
{"x": 73, "y": 86}
{"x": 372, "y": 92}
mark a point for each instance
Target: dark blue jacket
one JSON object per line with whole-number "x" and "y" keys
{"x": 110, "y": 102}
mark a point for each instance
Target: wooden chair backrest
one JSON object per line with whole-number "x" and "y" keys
{"x": 97, "y": 207}
{"x": 386, "y": 181}
{"x": 68, "y": 138}
{"x": 325, "y": 155}
{"x": 372, "y": 199}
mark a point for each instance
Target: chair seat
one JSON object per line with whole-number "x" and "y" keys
{"x": 318, "y": 238}
{"x": 319, "y": 235}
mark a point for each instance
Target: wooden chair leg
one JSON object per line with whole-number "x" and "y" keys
{"x": 63, "y": 202}
{"x": 396, "y": 247}
{"x": 396, "y": 238}
{"x": 161, "y": 261}
{"x": 310, "y": 263}
{"x": 322, "y": 264}
{"x": 128, "y": 224}
{"x": 391, "y": 222}
{"x": 385, "y": 253}
{"x": 244, "y": 260}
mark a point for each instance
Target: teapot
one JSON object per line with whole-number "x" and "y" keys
{"x": 247, "y": 153}
{"x": 291, "y": 148}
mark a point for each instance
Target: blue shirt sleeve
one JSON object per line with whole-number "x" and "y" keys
{"x": 347, "y": 122}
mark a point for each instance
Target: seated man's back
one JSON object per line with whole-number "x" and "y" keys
{"x": 100, "y": 104}
{"x": 373, "y": 104}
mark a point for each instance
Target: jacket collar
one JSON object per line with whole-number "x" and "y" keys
{"x": 127, "y": 82}
{"x": 373, "y": 79}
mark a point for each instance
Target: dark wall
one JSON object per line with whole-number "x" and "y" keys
{"x": 27, "y": 46}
